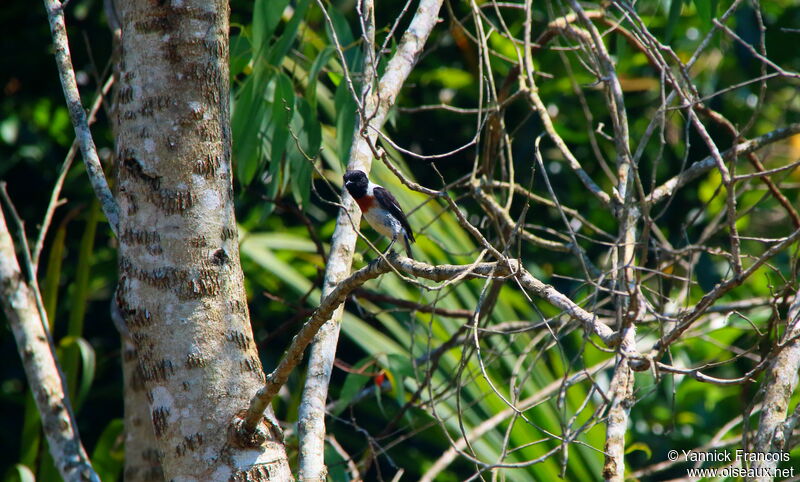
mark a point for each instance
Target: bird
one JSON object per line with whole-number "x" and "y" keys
{"x": 380, "y": 209}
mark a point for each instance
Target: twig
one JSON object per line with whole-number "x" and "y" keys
{"x": 547, "y": 202}
{"x": 505, "y": 218}
{"x": 702, "y": 166}
{"x": 30, "y": 268}
{"x": 419, "y": 307}
{"x": 761, "y": 171}
{"x": 688, "y": 317}
{"x": 574, "y": 164}
{"x": 351, "y": 465}
{"x": 754, "y": 53}
{"x": 94, "y": 169}
{"x": 489, "y": 424}
{"x": 62, "y": 175}
{"x": 335, "y": 298}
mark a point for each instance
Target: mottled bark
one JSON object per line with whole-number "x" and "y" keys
{"x": 181, "y": 290}
{"x": 36, "y": 350}
{"x": 620, "y": 393}
{"x": 779, "y": 385}
{"x": 142, "y": 459}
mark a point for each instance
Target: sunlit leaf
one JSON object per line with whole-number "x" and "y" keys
{"x": 240, "y": 54}
{"x": 88, "y": 365}
{"x": 284, "y": 43}
{"x": 345, "y": 120}
{"x": 108, "y": 457}
{"x": 20, "y": 473}
{"x": 640, "y": 446}
{"x": 278, "y": 131}
{"x": 73, "y": 353}
{"x": 248, "y": 110}
{"x": 302, "y": 150}
{"x": 353, "y": 384}
{"x": 266, "y": 17}
{"x": 313, "y": 73}
{"x": 448, "y": 77}
{"x": 673, "y": 16}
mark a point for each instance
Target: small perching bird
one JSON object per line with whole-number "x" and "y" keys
{"x": 380, "y": 209}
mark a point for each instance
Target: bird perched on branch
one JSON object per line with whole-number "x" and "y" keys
{"x": 380, "y": 209}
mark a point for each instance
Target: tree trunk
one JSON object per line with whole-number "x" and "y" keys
{"x": 181, "y": 290}
{"x": 142, "y": 459}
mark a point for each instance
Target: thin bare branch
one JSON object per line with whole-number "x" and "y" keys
{"x": 702, "y": 166}
{"x": 55, "y": 15}
{"x": 62, "y": 175}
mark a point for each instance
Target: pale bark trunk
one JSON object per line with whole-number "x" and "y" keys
{"x": 142, "y": 459}
{"x": 377, "y": 101}
{"x": 774, "y": 430}
{"x": 621, "y": 394}
{"x": 36, "y": 351}
{"x": 181, "y": 288}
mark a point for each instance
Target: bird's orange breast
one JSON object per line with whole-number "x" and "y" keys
{"x": 365, "y": 202}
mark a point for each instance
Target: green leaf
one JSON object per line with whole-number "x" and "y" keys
{"x": 400, "y": 366}
{"x": 240, "y": 54}
{"x": 88, "y": 360}
{"x": 52, "y": 278}
{"x": 108, "y": 457}
{"x": 266, "y": 17}
{"x": 335, "y": 78}
{"x": 281, "y": 240}
{"x": 340, "y": 26}
{"x": 20, "y": 473}
{"x": 706, "y": 9}
{"x": 60, "y": 127}
{"x": 284, "y": 43}
{"x": 353, "y": 384}
{"x": 47, "y": 468}
{"x": 79, "y": 298}
{"x": 639, "y": 446}
{"x": 448, "y": 77}
{"x": 345, "y": 120}
{"x": 336, "y": 464}
{"x": 283, "y": 102}
{"x": 673, "y": 16}
{"x": 503, "y": 45}
{"x": 275, "y": 266}
{"x": 353, "y": 55}
{"x": 277, "y": 131}
{"x": 319, "y": 63}
{"x": 248, "y": 112}
{"x": 41, "y": 113}
{"x": 302, "y": 149}
{"x": 31, "y": 432}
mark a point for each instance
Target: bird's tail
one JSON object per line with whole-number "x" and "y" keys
{"x": 407, "y": 241}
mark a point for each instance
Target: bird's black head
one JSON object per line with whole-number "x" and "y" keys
{"x": 356, "y": 183}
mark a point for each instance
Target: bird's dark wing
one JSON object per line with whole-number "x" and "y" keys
{"x": 389, "y": 203}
